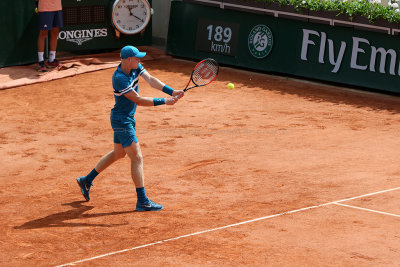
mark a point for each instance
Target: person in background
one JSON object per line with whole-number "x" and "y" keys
{"x": 50, "y": 20}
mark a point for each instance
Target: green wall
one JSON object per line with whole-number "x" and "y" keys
{"x": 317, "y": 51}
{"x": 18, "y": 32}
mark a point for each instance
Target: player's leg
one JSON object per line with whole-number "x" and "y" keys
{"x": 143, "y": 203}
{"x": 135, "y": 154}
{"x": 125, "y": 136}
{"x": 117, "y": 153}
{"x": 85, "y": 182}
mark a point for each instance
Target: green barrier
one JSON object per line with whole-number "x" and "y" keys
{"x": 300, "y": 48}
{"x": 19, "y": 32}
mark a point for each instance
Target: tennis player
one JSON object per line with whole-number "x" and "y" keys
{"x": 125, "y": 83}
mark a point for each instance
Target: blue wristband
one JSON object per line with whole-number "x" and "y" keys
{"x": 168, "y": 90}
{"x": 159, "y": 101}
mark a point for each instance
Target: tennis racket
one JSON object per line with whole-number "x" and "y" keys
{"x": 203, "y": 73}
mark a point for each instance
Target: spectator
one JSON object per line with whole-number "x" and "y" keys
{"x": 50, "y": 20}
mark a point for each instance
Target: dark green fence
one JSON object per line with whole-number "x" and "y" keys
{"x": 267, "y": 43}
{"x": 18, "y": 32}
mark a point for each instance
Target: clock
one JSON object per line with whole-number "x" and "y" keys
{"x": 130, "y": 16}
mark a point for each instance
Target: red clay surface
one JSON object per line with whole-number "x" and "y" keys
{"x": 216, "y": 158}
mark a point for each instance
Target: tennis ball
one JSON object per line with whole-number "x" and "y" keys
{"x": 230, "y": 86}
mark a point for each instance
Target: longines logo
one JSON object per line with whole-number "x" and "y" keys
{"x": 81, "y": 36}
{"x": 260, "y": 41}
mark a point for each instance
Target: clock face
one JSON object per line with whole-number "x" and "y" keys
{"x": 131, "y": 16}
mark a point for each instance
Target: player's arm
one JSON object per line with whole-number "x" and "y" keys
{"x": 149, "y": 101}
{"x": 159, "y": 85}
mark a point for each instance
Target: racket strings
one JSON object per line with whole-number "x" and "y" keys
{"x": 205, "y": 72}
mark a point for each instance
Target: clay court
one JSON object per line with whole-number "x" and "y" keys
{"x": 277, "y": 172}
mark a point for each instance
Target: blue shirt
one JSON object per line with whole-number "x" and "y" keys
{"x": 124, "y": 109}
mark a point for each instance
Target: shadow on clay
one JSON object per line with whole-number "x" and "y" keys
{"x": 64, "y": 219}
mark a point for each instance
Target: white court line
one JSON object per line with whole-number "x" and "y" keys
{"x": 227, "y": 226}
{"x": 375, "y": 211}
{"x": 366, "y": 195}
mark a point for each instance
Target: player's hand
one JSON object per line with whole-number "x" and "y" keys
{"x": 171, "y": 100}
{"x": 178, "y": 93}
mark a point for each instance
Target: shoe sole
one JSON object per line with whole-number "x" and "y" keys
{"x": 144, "y": 209}
{"x": 80, "y": 187}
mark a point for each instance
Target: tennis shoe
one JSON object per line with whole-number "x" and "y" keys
{"x": 54, "y": 64}
{"x": 41, "y": 67}
{"x": 148, "y": 206}
{"x": 85, "y": 187}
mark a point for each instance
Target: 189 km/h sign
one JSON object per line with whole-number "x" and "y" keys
{"x": 217, "y": 37}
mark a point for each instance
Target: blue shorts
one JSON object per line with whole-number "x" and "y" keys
{"x": 48, "y": 20}
{"x": 124, "y": 132}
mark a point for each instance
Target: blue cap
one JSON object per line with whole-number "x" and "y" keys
{"x": 131, "y": 51}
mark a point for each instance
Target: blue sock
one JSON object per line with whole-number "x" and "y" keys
{"x": 141, "y": 195}
{"x": 90, "y": 177}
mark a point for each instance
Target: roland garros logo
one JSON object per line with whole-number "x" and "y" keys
{"x": 260, "y": 41}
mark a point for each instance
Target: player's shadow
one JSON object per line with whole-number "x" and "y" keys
{"x": 63, "y": 219}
